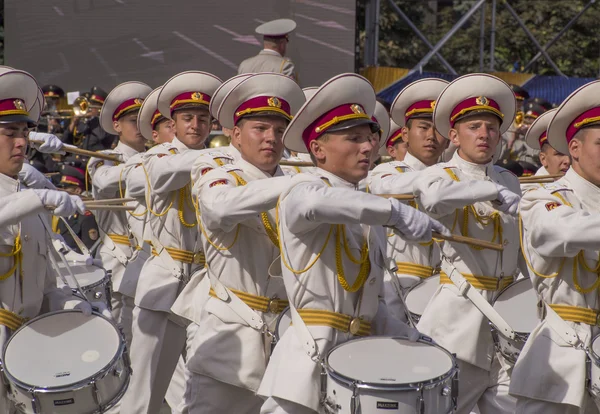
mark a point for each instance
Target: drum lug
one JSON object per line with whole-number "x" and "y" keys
{"x": 420, "y": 404}
{"x": 96, "y": 395}
{"x": 35, "y": 404}
{"x": 455, "y": 389}
{"x": 355, "y": 400}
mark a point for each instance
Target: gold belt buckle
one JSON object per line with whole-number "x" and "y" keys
{"x": 273, "y": 305}
{"x": 354, "y": 326}
{"x": 198, "y": 258}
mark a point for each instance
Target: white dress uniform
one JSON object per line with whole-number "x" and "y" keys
{"x": 460, "y": 195}
{"x": 108, "y": 181}
{"x": 327, "y": 227}
{"x": 561, "y": 246}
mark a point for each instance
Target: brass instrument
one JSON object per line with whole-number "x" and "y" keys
{"x": 219, "y": 141}
{"x": 81, "y": 107}
{"x": 519, "y": 117}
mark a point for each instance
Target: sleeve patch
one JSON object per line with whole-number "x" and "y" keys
{"x": 552, "y": 205}
{"x": 385, "y": 175}
{"x": 205, "y": 170}
{"x": 218, "y": 182}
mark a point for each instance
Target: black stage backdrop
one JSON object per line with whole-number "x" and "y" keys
{"x": 79, "y": 43}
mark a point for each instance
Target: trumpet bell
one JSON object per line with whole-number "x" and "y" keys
{"x": 81, "y": 106}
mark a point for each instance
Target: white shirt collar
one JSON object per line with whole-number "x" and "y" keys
{"x": 474, "y": 170}
{"x": 586, "y": 192}
{"x": 126, "y": 150}
{"x": 413, "y": 162}
{"x": 256, "y": 172}
{"x": 9, "y": 183}
{"x": 270, "y": 52}
{"x": 181, "y": 147}
{"x": 334, "y": 180}
{"x": 541, "y": 171}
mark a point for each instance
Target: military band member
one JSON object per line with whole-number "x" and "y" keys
{"x": 119, "y": 117}
{"x": 512, "y": 145}
{"x": 474, "y": 198}
{"x": 324, "y": 217}
{"x": 157, "y": 340}
{"x": 560, "y": 242}
{"x": 272, "y": 58}
{"x": 27, "y": 277}
{"x": 413, "y": 108}
{"x": 553, "y": 162}
{"x": 237, "y": 216}
{"x": 87, "y": 132}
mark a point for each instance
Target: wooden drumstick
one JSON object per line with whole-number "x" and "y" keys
{"x": 470, "y": 241}
{"x": 540, "y": 178}
{"x": 79, "y": 151}
{"x": 109, "y": 207}
{"x": 406, "y": 197}
{"x": 288, "y": 163}
{"x": 110, "y": 201}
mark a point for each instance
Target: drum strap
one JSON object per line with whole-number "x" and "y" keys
{"x": 161, "y": 251}
{"x": 466, "y": 289}
{"x": 561, "y": 327}
{"x": 108, "y": 242}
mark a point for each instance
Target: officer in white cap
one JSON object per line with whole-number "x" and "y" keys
{"x": 320, "y": 220}
{"x": 560, "y": 222}
{"x": 237, "y": 220}
{"x": 118, "y": 117}
{"x": 553, "y": 162}
{"x": 474, "y": 198}
{"x": 413, "y": 108}
{"x": 272, "y": 58}
{"x": 158, "y": 340}
{"x": 27, "y": 277}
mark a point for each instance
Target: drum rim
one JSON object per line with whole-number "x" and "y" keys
{"x": 276, "y": 333}
{"x": 413, "y": 287}
{"x": 596, "y": 359}
{"x": 526, "y": 334}
{"x": 75, "y": 385}
{"x": 105, "y": 280}
{"x": 354, "y": 382}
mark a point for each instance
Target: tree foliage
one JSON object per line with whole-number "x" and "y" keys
{"x": 576, "y": 53}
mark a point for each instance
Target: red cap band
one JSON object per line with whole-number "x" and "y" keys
{"x": 155, "y": 118}
{"x": 263, "y": 104}
{"x": 335, "y": 116}
{"x": 480, "y": 103}
{"x": 97, "y": 98}
{"x": 420, "y": 107}
{"x": 13, "y": 106}
{"x": 128, "y": 105}
{"x": 394, "y": 137}
{"x": 543, "y": 138}
{"x": 197, "y": 98}
{"x": 588, "y": 117}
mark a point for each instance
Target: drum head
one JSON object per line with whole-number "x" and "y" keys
{"x": 389, "y": 361}
{"x": 419, "y": 296}
{"x": 517, "y": 304}
{"x": 86, "y": 275}
{"x": 60, "y": 349}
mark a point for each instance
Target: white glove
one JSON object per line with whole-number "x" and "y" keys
{"x": 101, "y": 308}
{"x": 52, "y": 144}
{"x": 507, "y": 201}
{"x": 61, "y": 202}
{"x": 32, "y": 178}
{"x": 412, "y": 224}
{"x": 78, "y": 304}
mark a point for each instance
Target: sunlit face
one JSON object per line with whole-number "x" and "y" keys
{"x": 164, "y": 131}
{"x": 476, "y": 137}
{"x": 259, "y": 140}
{"x": 346, "y": 153}
{"x": 553, "y": 161}
{"x": 126, "y": 127}
{"x": 424, "y": 142}
{"x": 13, "y": 146}
{"x": 585, "y": 153}
{"x": 192, "y": 126}
{"x": 398, "y": 150}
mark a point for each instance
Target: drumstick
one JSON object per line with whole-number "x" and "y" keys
{"x": 288, "y": 163}
{"x": 50, "y": 174}
{"x": 407, "y": 197}
{"x": 79, "y": 151}
{"x": 108, "y": 207}
{"x": 470, "y": 241}
{"x": 109, "y": 201}
{"x": 537, "y": 178}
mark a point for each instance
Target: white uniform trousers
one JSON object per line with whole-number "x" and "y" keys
{"x": 156, "y": 346}
{"x": 486, "y": 389}
{"x": 279, "y": 406}
{"x": 209, "y": 396}
{"x": 122, "y": 313}
{"x": 529, "y": 406}
{"x": 176, "y": 393}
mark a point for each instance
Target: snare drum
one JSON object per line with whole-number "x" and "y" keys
{"x": 418, "y": 296}
{"x": 392, "y": 375}
{"x": 517, "y": 304}
{"x": 94, "y": 281}
{"x": 66, "y": 363}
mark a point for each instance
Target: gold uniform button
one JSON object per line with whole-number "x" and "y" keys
{"x": 505, "y": 242}
{"x": 26, "y": 237}
{"x": 199, "y": 258}
{"x": 273, "y": 305}
{"x": 354, "y": 326}
{"x": 372, "y": 281}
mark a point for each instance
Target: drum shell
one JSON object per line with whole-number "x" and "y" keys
{"x": 425, "y": 291}
{"x": 437, "y": 396}
{"x": 99, "y": 292}
{"x": 91, "y": 396}
{"x": 594, "y": 371}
